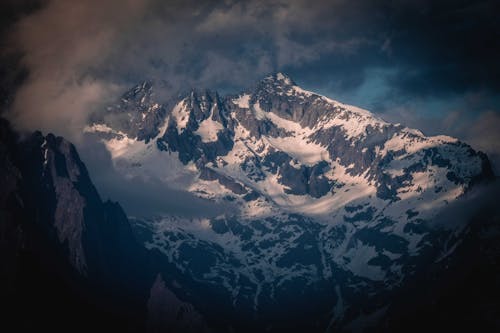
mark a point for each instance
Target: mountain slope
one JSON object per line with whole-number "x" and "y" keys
{"x": 335, "y": 207}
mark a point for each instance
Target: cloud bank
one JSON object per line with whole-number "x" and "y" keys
{"x": 432, "y": 65}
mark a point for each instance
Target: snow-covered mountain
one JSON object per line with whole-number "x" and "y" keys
{"x": 334, "y": 206}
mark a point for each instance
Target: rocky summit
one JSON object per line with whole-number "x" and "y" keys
{"x": 333, "y": 209}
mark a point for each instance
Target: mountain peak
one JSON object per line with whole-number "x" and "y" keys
{"x": 196, "y": 93}
{"x": 279, "y": 78}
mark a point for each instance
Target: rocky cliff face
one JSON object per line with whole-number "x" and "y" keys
{"x": 54, "y": 249}
{"x": 167, "y": 313}
{"x": 67, "y": 257}
{"x": 336, "y": 207}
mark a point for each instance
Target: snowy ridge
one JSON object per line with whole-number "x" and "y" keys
{"x": 311, "y": 159}
{"x": 181, "y": 115}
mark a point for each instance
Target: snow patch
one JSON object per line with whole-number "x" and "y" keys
{"x": 208, "y": 129}
{"x": 283, "y": 78}
{"x": 181, "y": 116}
{"x": 303, "y": 150}
{"x": 357, "y": 259}
{"x": 243, "y": 101}
{"x": 258, "y": 112}
{"x": 96, "y": 128}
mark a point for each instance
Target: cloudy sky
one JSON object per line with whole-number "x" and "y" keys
{"x": 433, "y": 65}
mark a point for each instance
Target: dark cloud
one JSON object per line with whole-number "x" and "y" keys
{"x": 428, "y": 49}
{"x": 14, "y": 10}
{"x": 446, "y": 46}
{"x": 12, "y": 73}
{"x": 80, "y": 53}
{"x": 416, "y": 61}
